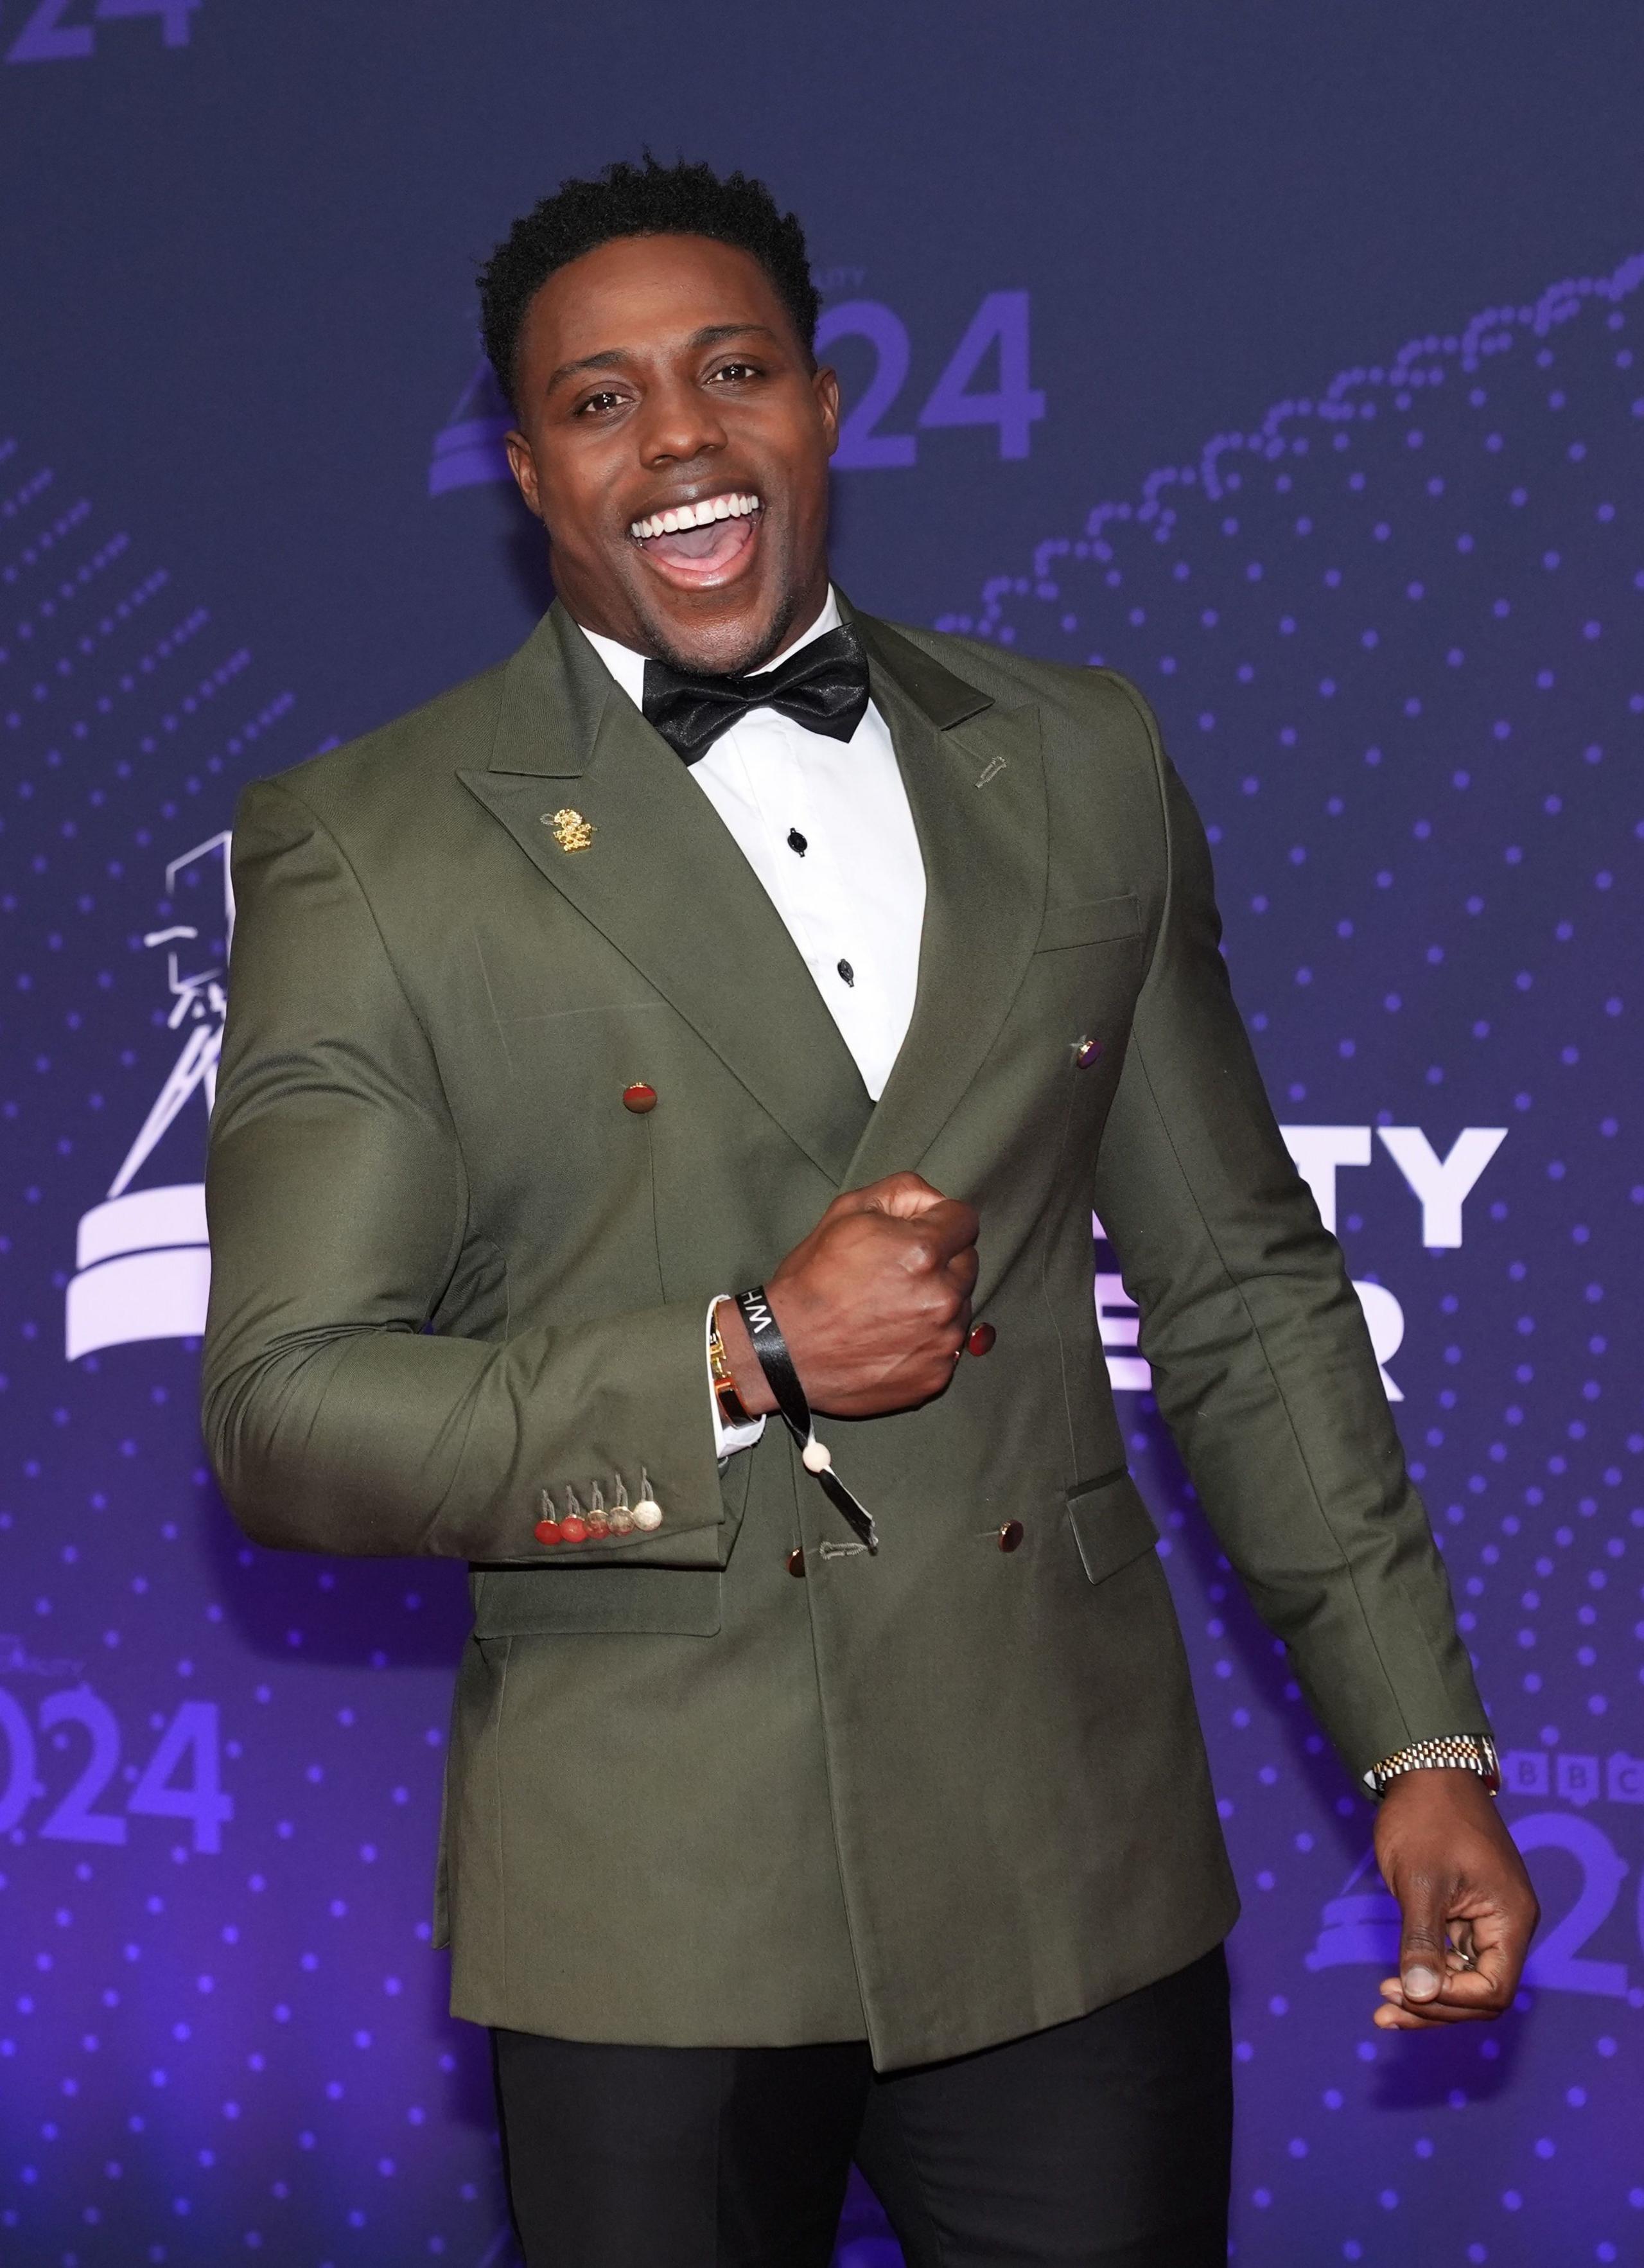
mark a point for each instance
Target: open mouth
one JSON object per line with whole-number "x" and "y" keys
{"x": 700, "y": 542}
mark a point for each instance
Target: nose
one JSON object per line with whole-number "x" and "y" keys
{"x": 678, "y": 426}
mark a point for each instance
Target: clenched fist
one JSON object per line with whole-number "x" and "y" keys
{"x": 874, "y": 1304}
{"x": 1468, "y": 1910}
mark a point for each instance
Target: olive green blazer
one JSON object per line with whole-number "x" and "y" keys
{"x": 938, "y": 1797}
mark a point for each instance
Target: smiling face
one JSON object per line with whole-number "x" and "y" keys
{"x": 673, "y": 439}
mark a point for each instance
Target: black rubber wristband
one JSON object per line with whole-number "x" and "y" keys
{"x": 777, "y": 1363}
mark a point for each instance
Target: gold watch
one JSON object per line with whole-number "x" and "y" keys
{"x": 732, "y": 1410}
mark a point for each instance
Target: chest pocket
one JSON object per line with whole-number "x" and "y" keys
{"x": 1092, "y": 921}
{"x": 1087, "y": 963}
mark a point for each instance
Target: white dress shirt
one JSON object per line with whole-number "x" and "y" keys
{"x": 826, "y": 826}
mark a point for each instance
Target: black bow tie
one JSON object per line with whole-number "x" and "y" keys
{"x": 824, "y": 687}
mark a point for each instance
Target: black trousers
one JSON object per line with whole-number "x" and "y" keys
{"x": 1102, "y": 2142}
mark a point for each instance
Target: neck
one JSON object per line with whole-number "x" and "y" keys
{"x": 805, "y": 618}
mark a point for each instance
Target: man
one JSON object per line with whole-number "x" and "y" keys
{"x": 811, "y": 1792}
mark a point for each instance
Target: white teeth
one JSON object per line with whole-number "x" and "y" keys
{"x": 693, "y": 515}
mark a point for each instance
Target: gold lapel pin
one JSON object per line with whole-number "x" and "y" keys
{"x": 571, "y": 831}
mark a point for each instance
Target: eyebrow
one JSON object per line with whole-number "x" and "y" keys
{"x": 613, "y": 357}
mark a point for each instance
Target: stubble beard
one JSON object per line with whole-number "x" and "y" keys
{"x": 722, "y": 652}
{"x": 753, "y": 653}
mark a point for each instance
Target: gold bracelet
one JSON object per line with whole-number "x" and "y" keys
{"x": 1450, "y": 1752}
{"x": 731, "y": 1408}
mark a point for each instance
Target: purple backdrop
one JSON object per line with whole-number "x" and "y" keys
{"x": 250, "y": 503}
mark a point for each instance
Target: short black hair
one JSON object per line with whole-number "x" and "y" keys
{"x": 644, "y": 199}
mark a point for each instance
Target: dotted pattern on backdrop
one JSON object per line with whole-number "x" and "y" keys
{"x": 220, "y": 2032}
{"x": 1394, "y": 638}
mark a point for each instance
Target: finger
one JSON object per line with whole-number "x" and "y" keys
{"x": 898, "y": 1196}
{"x": 1464, "y": 1948}
{"x": 949, "y": 1225}
{"x": 1499, "y": 1942}
{"x": 1464, "y": 1991}
{"x": 1421, "y": 1939}
{"x": 1388, "y": 2019}
{"x": 1406, "y": 2020}
{"x": 962, "y": 1271}
{"x": 1486, "y": 1982}
{"x": 904, "y": 1197}
{"x": 1466, "y": 1996}
{"x": 1398, "y": 2016}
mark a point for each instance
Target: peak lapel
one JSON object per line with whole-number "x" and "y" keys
{"x": 663, "y": 880}
{"x": 974, "y": 777}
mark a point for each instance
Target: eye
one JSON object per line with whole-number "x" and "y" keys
{"x": 598, "y": 401}
{"x": 737, "y": 371}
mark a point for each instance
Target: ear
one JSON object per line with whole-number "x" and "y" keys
{"x": 825, "y": 385}
{"x": 523, "y": 465}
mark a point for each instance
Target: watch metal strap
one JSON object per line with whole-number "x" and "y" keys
{"x": 1450, "y": 1752}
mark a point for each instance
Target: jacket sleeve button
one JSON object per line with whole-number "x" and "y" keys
{"x": 981, "y": 1338}
{"x": 639, "y": 1098}
{"x": 1010, "y": 1535}
{"x": 797, "y": 1560}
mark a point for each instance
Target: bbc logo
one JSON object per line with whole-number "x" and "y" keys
{"x": 1578, "y": 1779}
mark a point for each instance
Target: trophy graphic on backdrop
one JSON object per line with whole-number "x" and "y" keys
{"x": 143, "y": 1263}
{"x": 469, "y": 448}
{"x": 1360, "y": 1922}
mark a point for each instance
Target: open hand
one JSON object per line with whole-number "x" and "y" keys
{"x": 1468, "y": 1907}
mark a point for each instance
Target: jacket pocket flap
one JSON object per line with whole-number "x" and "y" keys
{"x": 1094, "y": 921}
{"x": 573, "y": 1602}
{"x": 1111, "y": 1525}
